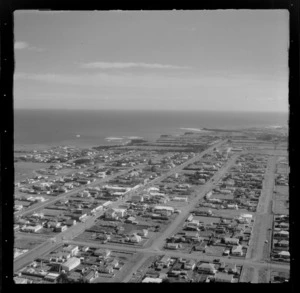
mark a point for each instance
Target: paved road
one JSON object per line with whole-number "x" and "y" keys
{"x": 262, "y": 221}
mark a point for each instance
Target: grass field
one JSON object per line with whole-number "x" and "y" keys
{"x": 26, "y": 243}
{"x": 25, "y": 170}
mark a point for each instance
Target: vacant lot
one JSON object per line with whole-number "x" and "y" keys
{"x": 280, "y": 207}
{"x": 247, "y": 274}
{"x": 25, "y": 170}
{"x": 27, "y": 243}
{"x": 282, "y": 190}
{"x": 263, "y": 276}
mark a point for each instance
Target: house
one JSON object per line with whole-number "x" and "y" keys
{"x": 135, "y": 238}
{"x": 223, "y": 278}
{"x": 80, "y": 218}
{"x": 283, "y": 234}
{"x": 143, "y": 233}
{"x": 85, "y": 248}
{"x": 237, "y": 250}
{"x": 283, "y": 243}
{"x": 120, "y": 212}
{"x": 70, "y": 222}
{"x": 52, "y": 277}
{"x": 173, "y": 246}
{"x": 114, "y": 263}
{"x": 130, "y": 220}
{"x": 137, "y": 198}
{"x": 90, "y": 276}
{"x": 32, "y": 229}
{"x": 111, "y": 214}
{"x": 19, "y": 280}
{"x": 73, "y": 249}
{"x": 207, "y": 267}
{"x": 192, "y": 235}
{"x": 106, "y": 269}
{"x": 228, "y": 240}
{"x": 163, "y": 208}
{"x": 179, "y": 198}
{"x": 61, "y": 228}
{"x": 231, "y": 268}
{"x": 190, "y": 218}
{"x": 201, "y": 246}
{"x": 102, "y": 252}
{"x": 190, "y": 264}
{"x": 284, "y": 254}
{"x": 233, "y": 206}
{"x": 164, "y": 261}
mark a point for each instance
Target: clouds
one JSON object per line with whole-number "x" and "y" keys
{"x": 26, "y": 46}
{"x": 126, "y": 65}
{"x": 130, "y": 80}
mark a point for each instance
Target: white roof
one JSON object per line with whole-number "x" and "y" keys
{"x": 163, "y": 208}
{"x": 284, "y": 232}
{"x": 152, "y": 280}
{"x": 119, "y": 210}
{"x": 246, "y": 215}
{"x": 284, "y": 253}
{"x": 71, "y": 261}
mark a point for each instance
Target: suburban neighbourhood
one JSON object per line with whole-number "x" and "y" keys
{"x": 210, "y": 206}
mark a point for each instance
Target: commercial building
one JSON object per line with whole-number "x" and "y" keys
{"x": 71, "y": 264}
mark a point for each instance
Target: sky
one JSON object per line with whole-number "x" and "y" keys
{"x": 222, "y": 60}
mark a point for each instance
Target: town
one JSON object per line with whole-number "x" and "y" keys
{"x": 209, "y": 206}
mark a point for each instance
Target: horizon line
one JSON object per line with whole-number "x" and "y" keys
{"x": 151, "y": 110}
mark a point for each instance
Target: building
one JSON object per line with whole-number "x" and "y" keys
{"x": 137, "y": 198}
{"x": 143, "y": 233}
{"x": 237, "y": 250}
{"x": 228, "y": 240}
{"x": 71, "y": 264}
{"x": 61, "y": 228}
{"x": 19, "y": 280}
{"x": 32, "y": 229}
{"x": 120, "y": 212}
{"x": 192, "y": 236}
{"x": 283, "y": 234}
{"x": 135, "y": 238}
{"x": 173, "y": 246}
{"x": 72, "y": 249}
{"x": 70, "y": 222}
{"x": 90, "y": 276}
{"x": 201, "y": 246}
{"x": 190, "y": 264}
{"x": 114, "y": 263}
{"x": 164, "y": 261}
{"x": 163, "y": 208}
{"x": 179, "y": 198}
{"x": 111, "y": 214}
{"x": 231, "y": 268}
{"x": 190, "y": 218}
{"x": 152, "y": 280}
{"x": 207, "y": 267}
{"x": 51, "y": 277}
{"x": 102, "y": 252}
{"x": 284, "y": 254}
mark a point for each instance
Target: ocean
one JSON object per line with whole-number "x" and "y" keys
{"x": 85, "y": 128}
